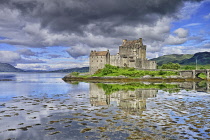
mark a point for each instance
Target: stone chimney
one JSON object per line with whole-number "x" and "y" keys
{"x": 140, "y": 40}
{"x": 124, "y": 41}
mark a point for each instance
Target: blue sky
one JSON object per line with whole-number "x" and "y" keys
{"x": 51, "y": 34}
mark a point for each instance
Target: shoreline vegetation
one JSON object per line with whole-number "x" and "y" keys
{"x": 116, "y": 74}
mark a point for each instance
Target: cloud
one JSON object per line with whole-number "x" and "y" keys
{"x": 182, "y": 33}
{"x": 192, "y": 24}
{"x": 14, "y": 58}
{"x": 49, "y": 22}
{"x": 54, "y": 56}
{"x": 180, "y": 37}
{"x": 9, "y": 57}
{"x": 53, "y": 66}
{"x": 78, "y": 50}
{"x": 207, "y": 16}
{"x": 26, "y": 52}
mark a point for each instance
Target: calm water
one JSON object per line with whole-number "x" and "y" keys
{"x": 43, "y": 107}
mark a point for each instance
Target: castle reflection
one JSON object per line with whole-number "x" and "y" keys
{"x": 131, "y": 101}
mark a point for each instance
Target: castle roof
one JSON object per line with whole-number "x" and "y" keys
{"x": 99, "y": 53}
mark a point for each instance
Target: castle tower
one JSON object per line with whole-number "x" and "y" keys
{"x": 133, "y": 48}
{"x": 98, "y": 60}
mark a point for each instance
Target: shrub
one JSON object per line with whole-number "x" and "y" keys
{"x": 161, "y": 72}
{"x": 202, "y": 68}
{"x": 174, "y": 66}
{"x": 189, "y": 68}
{"x": 75, "y": 73}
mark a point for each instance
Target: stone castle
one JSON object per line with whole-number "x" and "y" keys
{"x": 132, "y": 53}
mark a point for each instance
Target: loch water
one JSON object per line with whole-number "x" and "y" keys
{"x": 41, "y": 106}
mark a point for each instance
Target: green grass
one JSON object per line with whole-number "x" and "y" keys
{"x": 202, "y": 76}
{"x": 193, "y": 67}
{"x": 110, "y": 70}
{"x": 111, "y": 88}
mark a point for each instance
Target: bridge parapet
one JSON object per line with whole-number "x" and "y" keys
{"x": 194, "y": 73}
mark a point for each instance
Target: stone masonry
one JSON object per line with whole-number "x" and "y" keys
{"x": 132, "y": 53}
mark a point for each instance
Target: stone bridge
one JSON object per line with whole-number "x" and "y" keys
{"x": 194, "y": 73}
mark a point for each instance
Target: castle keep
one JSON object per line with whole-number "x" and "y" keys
{"x": 132, "y": 53}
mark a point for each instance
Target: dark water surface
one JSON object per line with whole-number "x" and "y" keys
{"x": 43, "y": 107}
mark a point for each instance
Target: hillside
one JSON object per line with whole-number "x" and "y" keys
{"x": 203, "y": 58}
{"x": 174, "y": 58}
{"x": 4, "y": 67}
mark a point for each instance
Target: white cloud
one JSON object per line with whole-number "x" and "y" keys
{"x": 192, "y": 24}
{"x": 175, "y": 40}
{"x": 182, "y": 33}
{"x": 207, "y": 16}
{"x": 188, "y": 9}
{"x": 9, "y": 57}
{"x": 53, "y": 66}
{"x": 172, "y": 50}
{"x": 180, "y": 37}
{"x": 15, "y": 57}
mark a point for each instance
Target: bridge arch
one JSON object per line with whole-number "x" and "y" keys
{"x": 198, "y": 73}
{"x": 194, "y": 73}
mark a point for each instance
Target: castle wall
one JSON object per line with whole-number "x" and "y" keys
{"x": 143, "y": 52}
{"x": 146, "y": 64}
{"x": 127, "y": 50}
{"x": 115, "y": 60}
{"x": 98, "y": 62}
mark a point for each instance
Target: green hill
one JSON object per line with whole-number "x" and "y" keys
{"x": 174, "y": 58}
{"x": 4, "y": 67}
{"x": 203, "y": 58}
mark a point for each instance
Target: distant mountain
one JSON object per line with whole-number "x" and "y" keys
{"x": 203, "y": 58}
{"x": 83, "y": 69}
{"x": 4, "y": 67}
{"x": 174, "y": 58}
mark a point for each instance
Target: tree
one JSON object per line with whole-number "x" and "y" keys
{"x": 174, "y": 66}
{"x": 189, "y": 68}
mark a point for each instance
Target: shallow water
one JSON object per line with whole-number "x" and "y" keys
{"x": 42, "y": 106}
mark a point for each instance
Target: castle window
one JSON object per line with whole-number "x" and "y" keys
{"x": 97, "y": 60}
{"x": 101, "y": 60}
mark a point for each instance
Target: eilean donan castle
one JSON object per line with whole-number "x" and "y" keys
{"x": 132, "y": 53}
